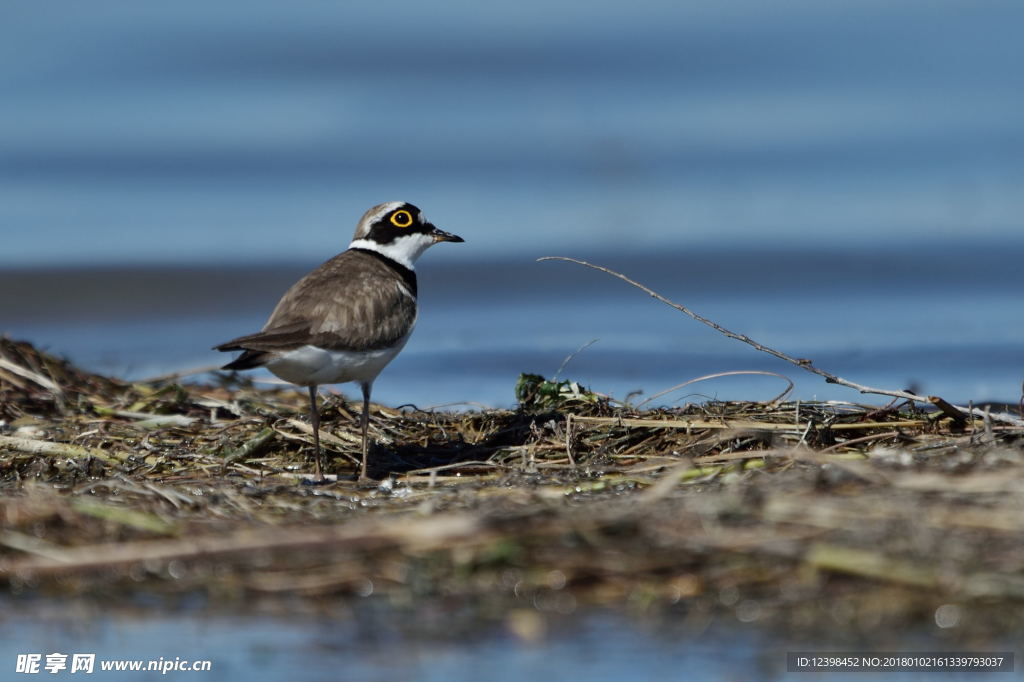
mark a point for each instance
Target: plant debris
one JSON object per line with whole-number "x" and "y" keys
{"x": 801, "y": 515}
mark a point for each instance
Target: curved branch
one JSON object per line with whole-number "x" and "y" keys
{"x": 803, "y": 363}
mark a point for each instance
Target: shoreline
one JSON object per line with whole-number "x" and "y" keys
{"x": 790, "y": 510}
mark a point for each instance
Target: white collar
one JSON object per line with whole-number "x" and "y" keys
{"x": 404, "y": 250}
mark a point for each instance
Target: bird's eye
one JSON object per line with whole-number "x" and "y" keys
{"x": 401, "y": 218}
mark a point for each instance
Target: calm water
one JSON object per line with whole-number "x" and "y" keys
{"x": 889, "y": 319}
{"x": 176, "y": 132}
{"x": 269, "y": 648}
{"x": 842, "y": 181}
{"x": 595, "y": 647}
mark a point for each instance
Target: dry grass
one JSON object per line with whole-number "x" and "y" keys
{"x": 845, "y": 515}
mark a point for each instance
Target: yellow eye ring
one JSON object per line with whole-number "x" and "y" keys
{"x": 401, "y": 218}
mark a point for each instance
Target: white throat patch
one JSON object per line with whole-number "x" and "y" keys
{"x": 404, "y": 250}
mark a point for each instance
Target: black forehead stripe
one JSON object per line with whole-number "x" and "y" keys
{"x": 407, "y": 275}
{"x": 412, "y": 210}
{"x": 383, "y": 231}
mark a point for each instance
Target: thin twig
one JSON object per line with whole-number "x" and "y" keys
{"x": 570, "y": 356}
{"x": 803, "y": 363}
{"x": 738, "y": 424}
{"x": 568, "y": 439}
{"x": 862, "y": 439}
{"x": 724, "y": 374}
{"x": 174, "y": 376}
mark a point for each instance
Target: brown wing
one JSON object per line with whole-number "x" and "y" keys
{"x": 351, "y": 302}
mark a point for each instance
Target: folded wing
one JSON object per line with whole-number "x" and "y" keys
{"x": 353, "y": 302}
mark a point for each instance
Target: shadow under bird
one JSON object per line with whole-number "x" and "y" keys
{"x": 348, "y": 319}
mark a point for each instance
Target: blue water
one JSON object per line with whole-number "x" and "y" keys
{"x": 180, "y": 132}
{"x": 674, "y": 139}
{"x": 677, "y": 141}
{"x": 593, "y": 647}
{"x": 876, "y": 318}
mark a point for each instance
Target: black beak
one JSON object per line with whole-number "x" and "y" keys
{"x": 442, "y": 236}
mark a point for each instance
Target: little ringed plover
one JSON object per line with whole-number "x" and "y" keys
{"x": 346, "y": 320}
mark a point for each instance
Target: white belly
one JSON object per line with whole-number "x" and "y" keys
{"x": 310, "y": 365}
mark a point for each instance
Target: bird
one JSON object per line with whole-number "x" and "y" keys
{"x": 348, "y": 318}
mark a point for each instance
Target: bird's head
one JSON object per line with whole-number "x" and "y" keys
{"x": 399, "y": 231}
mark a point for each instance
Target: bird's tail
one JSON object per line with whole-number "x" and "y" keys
{"x": 248, "y": 360}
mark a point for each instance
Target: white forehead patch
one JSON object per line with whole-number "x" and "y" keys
{"x": 373, "y": 215}
{"x": 382, "y": 211}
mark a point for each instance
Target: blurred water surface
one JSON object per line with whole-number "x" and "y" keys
{"x": 940, "y": 322}
{"x": 841, "y": 180}
{"x": 594, "y": 646}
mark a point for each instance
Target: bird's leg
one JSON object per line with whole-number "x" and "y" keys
{"x": 364, "y": 422}
{"x": 314, "y": 421}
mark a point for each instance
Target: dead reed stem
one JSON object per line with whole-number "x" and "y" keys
{"x": 802, "y": 363}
